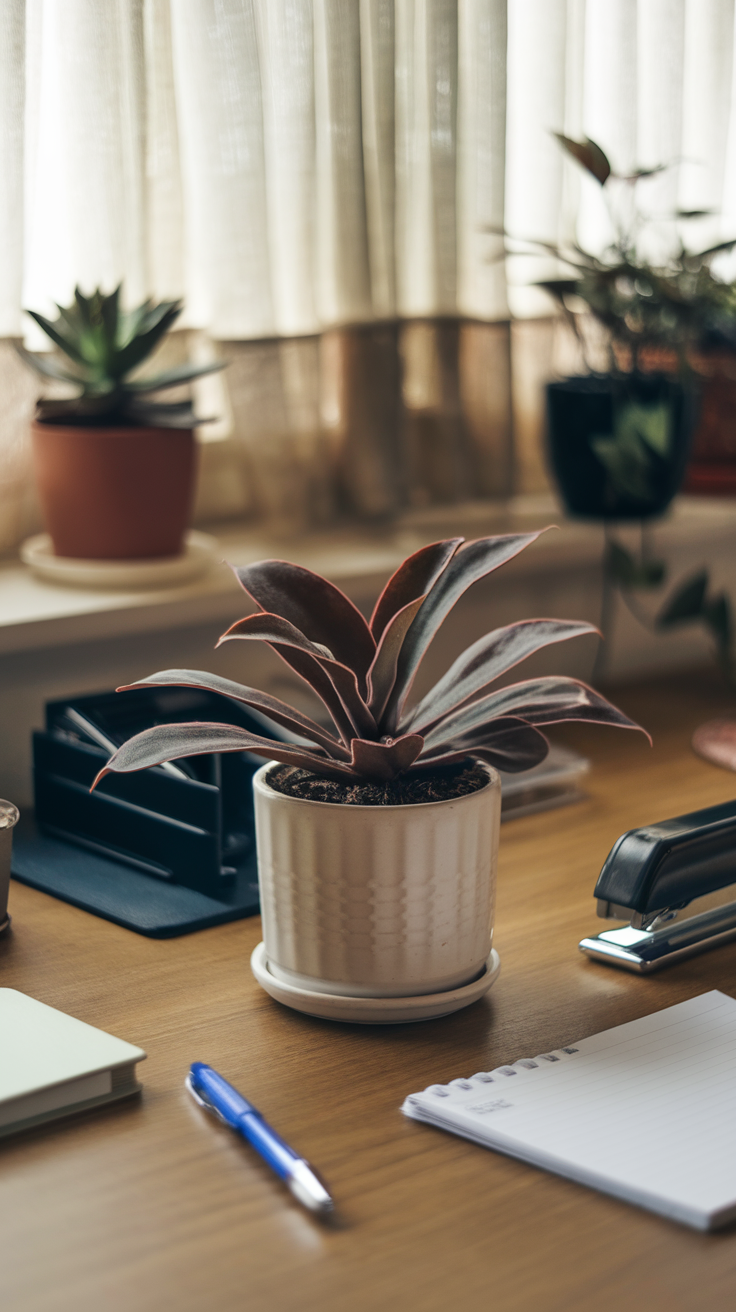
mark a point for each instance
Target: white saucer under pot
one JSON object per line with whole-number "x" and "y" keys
{"x": 199, "y": 554}
{"x": 377, "y": 914}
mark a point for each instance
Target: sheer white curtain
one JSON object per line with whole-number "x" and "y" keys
{"x": 285, "y": 165}
{"x": 306, "y": 173}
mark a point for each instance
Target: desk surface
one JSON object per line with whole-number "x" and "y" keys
{"x": 149, "y": 1205}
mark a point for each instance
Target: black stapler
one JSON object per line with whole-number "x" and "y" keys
{"x": 675, "y": 882}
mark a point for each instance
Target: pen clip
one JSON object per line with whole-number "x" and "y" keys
{"x": 202, "y": 1100}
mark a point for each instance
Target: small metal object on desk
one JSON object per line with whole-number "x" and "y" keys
{"x": 675, "y": 882}
{"x": 9, "y": 817}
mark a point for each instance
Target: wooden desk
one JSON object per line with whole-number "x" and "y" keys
{"x": 149, "y": 1205}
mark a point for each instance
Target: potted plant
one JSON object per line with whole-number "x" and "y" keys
{"x": 377, "y": 837}
{"x": 115, "y": 470}
{"x": 619, "y": 441}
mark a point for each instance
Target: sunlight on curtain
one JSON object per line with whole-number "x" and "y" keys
{"x": 325, "y": 182}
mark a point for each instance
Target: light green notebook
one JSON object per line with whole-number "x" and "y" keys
{"x": 52, "y": 1065}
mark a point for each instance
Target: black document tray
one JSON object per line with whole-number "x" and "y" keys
{"x": 120, "y": 893}
{"x": 157, "y": 854}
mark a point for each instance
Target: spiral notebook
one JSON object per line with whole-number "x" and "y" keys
{"x": 645, "y": 1111}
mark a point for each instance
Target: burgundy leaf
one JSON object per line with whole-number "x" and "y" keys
{"x": 382, "y": 672}
{"x": 273, "y": 629}
{"x": 587, "y": 153}
{"x": 167, "y": 742}
{"x": 320, "y": 610}
{"x": 265, "y": 627}
{"x": 471, "y": 562}
{"x": 273, "y": 707}
{"x": 508, "y": 743}
{"x": 314, "y": 675}
{"x": 385, "y": 760}
{"x": 548, "y": 700}
{"x": 487, "y": 659}
{"x": 414, "y": 577}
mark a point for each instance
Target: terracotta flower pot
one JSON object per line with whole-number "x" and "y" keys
{"x": 115, "y": 493}
{"x": 377, "y": 901}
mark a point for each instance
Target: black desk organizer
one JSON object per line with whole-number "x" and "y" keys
{"x": 157, "y": 854}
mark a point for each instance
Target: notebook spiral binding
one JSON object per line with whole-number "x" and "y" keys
{"x": 498, "y": 1075}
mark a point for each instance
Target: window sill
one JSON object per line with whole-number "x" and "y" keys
{"x": 36, "y": 614}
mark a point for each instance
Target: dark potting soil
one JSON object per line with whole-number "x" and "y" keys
{"x": 427, "y": 786}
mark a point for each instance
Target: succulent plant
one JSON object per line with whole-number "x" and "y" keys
{"x": 363, "y": 672}
{"x": 104, "y": 344}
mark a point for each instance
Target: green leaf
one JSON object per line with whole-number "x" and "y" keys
{"x": 46, "y": 366}
{"x": 588, "y": 154}
{"x": 110, "y": 314}
{"x": 84, "y": 307}
{"x": 624, "y": 454}
{"x": 625, "y": 570}
{"x": 686, "y": 604}
{"x": 652, "y": 424}
{"x": 142, "y": 346}
{"x": 58, "y": 338}
{"x": 183, "y": 373}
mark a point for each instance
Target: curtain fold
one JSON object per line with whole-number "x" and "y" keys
{"x": 325, "y": 183}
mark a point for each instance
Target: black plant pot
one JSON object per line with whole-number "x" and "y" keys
{"x": 619, "y": 446}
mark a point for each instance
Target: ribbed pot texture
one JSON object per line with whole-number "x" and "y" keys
{"x": 377, "y": 901}
{"x": 115, "y": 493}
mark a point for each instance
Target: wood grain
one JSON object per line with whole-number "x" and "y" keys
{"x": 149, "y": 1205}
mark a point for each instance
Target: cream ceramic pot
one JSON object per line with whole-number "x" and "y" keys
{"x": 377, "y": 901}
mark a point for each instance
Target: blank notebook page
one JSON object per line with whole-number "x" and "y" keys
{"x": 646, "y": 1111}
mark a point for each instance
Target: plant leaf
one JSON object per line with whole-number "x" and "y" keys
{"x": 314, "y": 606}
{"x": 264, "y": 627}
{"x": 61, "y": 341}
{"x": 628, "y": 573}
{"x": 167, "y": 742}
{"x": 508, "y": 743}
{"x": 686, "y": 604}
{"x": 414, "y": 578}
{"x": 372, "y": 760}
{"x": 471, "y": 562}
{"x": 273, "y": 707}
{"x": 136, "y": 350}
{"x": 587, "y": 153}
{"x": 313, "y": 674}
{"x": 110, "y": 314}
{"x": 183, "y": 373}
{"x": 382, "y": 673}
{"x": 46, "y": 366}
{"x": 549, "y": 700}
{"x": 487, "y": 659}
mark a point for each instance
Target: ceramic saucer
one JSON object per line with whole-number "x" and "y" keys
{"x": 373, "y": 1011}
{"x": 200, "y": 552}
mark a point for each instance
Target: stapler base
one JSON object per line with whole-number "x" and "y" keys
{"x": 645, "y": 950}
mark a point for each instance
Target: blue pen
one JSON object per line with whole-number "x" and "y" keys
{"x": 216, "y": 1095}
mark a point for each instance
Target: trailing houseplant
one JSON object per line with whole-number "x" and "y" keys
{"x": 115, "y": 468}
{"x": 619, "y": 441}
{"x": 377, "y": 837}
